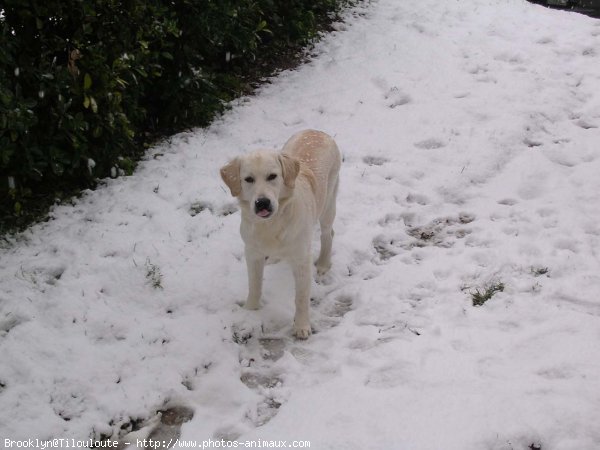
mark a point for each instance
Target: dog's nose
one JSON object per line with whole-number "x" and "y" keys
{"x": 263, "y": 208}
{"x": 262, "y": 204}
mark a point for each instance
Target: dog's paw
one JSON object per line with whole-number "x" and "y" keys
{"x": 251, "y": 305}
{"x": 325, "y": 279}
{"x": 322, "y": 269}
{"x": 302, "y": 332}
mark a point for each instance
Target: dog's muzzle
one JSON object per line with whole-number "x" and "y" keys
{"x": 263, "y": 207}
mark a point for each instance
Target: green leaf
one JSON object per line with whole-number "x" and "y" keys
{"x": 87, "y": 81}
{"x": 86, "y": 102}
{"x": 94, "y": 104}
{"x": 262, "y": 25}
{"x": 5, "y": 99}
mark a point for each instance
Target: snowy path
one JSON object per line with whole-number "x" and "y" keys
{"x": 471, "y": 136}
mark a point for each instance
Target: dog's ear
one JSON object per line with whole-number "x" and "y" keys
{"x": 290, "y": 167}
{"x": 231, "y": 176}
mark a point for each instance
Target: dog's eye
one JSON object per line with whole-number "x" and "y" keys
{"x": 272, "y": 177}
{"x": 249, "y": 180}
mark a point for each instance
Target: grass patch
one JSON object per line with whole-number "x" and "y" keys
{"x": 153, "y": 275}
{"x": 539, "y": 271}
{"x": 480, "y": 296}
{"x": 241, "y": 338}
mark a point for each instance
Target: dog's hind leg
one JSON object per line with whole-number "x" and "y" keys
{"x": 326, "y": 221}
{"x": 256, "y": 265}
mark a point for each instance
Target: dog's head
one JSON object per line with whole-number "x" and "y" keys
{"x": 261, "y": 179}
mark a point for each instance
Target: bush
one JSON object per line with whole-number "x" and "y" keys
{"x": 86, "y": 85}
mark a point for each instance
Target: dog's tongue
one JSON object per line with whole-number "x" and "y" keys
{"x": 263, "y": 213}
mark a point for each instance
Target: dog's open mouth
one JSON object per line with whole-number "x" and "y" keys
{"x": 264, "y": 213}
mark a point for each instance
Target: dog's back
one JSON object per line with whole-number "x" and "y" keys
{"x": 319, "y": 154}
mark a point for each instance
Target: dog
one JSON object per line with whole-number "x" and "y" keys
{"x": 282, "y": 195}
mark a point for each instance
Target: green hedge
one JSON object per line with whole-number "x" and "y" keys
{"x": 86, "y": 85}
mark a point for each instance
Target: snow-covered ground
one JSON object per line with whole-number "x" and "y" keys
{"x": 471, "y": 138}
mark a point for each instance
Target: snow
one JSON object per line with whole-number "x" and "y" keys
{"x": 470, "y": 136}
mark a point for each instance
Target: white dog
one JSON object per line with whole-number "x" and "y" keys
{"x": 282, "y": 196}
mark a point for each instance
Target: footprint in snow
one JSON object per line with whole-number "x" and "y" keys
{"x": 11, "y": 321}
{"x": 585, "y": 124}
{"x": 258, "y": 355}
{"x": 266, "y": 384}
{"x": 589, "y": 51}
{"x": 227, "y": 434}
{"x": 508, "y": 201}
{"x": 510, "y": 58}
{"x": 417, "y": 198}
{"x": 391, "y": 219}
{"x": 47, "y": 275}
{"x": 163, "y": 429}
{"x": 430, "y": 144}
{"x": 340, "y": 306}
{"x": 393, "y": 95}
{"x": 375, "y": 160}
{"x": 258, "y": 380}
{"x": 328, "y": 311}
{"x": 440, "y": 232}
{"x": 477, "y": 70}
{"x": 531, "y": 143}
{"x": 196, "y": 208}
{"x": 272, "y": 348}
{"x": 564, "y": 372}
{"x": 169, "y": 427}
{"x": 265, "y": 411}
{"x": 545, "y": 40}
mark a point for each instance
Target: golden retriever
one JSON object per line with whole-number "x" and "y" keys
{"x": 282, "y": 195}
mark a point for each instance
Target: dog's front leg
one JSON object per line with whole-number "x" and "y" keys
{"x": 256, "y": 265}
{"x": 301, "y": 268}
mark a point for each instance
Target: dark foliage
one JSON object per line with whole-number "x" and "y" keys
{"x": 86, "y": 85}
